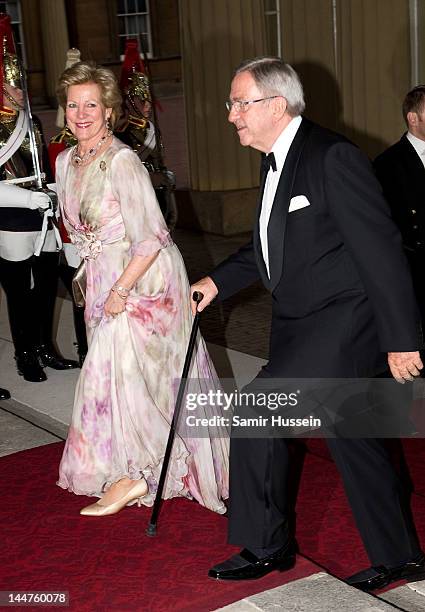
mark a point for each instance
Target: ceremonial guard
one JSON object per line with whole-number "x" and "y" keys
{"x": 28, "y": 237}
{"x": 140, "y": 132}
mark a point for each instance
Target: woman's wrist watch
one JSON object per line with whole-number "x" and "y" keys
{"x": 122, "y": 292}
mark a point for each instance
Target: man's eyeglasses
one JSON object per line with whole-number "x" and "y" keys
{"x": 241, "y": 106}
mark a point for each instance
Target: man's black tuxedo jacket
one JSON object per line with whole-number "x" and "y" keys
{"x": 402, "y": 176}
{"x": 340, "y": 284}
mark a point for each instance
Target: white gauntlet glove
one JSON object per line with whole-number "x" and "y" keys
{"x": 17, "y": 197}
{"x": 39, "y": 200}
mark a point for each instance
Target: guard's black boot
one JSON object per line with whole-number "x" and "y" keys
{"x": 66, "y": 274}
{"x": 46, "y": 271}
{"x": 81, "y": 357}
{"x": 4, "y": 394}
{"x": 50, "y": 358}
{"x": 15, "y": 279}
{"x": 29, "y": 367}
{"x": 80, "y": 332}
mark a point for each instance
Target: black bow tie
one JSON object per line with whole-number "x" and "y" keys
{"x": 269, "y": 161}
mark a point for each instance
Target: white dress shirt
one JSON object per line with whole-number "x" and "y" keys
{"x": 280, "y": 150}
{"x": 418, "y": 145}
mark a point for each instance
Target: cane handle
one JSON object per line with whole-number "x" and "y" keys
{"x": 197, "y": 296}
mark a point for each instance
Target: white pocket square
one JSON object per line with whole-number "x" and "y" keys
{"x": 298, "y": 202}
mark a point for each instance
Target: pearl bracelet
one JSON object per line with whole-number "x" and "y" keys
{"x": 121, "y": 291}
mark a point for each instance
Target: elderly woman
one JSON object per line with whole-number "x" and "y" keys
{"x": 137, "y": 316}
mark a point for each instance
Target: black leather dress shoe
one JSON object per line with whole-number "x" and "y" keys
{"x": 29, "y": 367}
{"x": 247, "y": 566}
{"x": 4, "y": 394}
{"x": 380, "y": 576}
{"x": 412, "y": 570}
{"x": 50, "y": 358}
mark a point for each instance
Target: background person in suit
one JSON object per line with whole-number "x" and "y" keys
{"x": 401, "y": 172}
{"x": 323, "y": 230}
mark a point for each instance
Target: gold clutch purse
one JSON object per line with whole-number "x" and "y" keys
{"x": 79, "y": 285}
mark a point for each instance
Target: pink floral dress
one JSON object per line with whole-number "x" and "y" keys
{"x": 125, "y": 395}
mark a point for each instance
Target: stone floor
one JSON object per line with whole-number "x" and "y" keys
{"x": 17, "y": 433}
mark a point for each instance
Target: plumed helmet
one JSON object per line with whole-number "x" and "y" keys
{"x": 10, "y": 71}
{"x": 134, "y": 80}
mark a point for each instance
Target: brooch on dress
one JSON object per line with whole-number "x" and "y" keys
{"x": 102, "y": 165}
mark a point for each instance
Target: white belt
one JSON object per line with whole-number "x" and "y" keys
{"x": 40, "y": 240}
{"x": 19, "y": 246}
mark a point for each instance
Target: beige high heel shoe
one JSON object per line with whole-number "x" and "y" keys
{"x": 136, "y": 492}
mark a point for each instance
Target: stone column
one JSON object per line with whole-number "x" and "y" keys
{"x": 417, "y": 41}
{"x": 354, "y": 60}
{"x": 309, "y": 45}
{"x": 35, "y": 64}
{"x": 421, "y": 45}
{"x": 215, "y": 38}
{"x": 374, "y": 70}
{"x": 55, "y": 42}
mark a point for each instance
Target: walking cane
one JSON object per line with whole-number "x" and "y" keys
{"x": 151, "y": 529}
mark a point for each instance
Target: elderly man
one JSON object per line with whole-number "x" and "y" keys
{"x": 323, "y": 231}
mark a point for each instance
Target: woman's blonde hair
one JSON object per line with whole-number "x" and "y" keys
{"x": 89, "y": 72}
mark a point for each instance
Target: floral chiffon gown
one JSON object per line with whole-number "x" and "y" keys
{"x": 125, "y": 395}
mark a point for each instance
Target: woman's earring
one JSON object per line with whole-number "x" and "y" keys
{"x": 108, "y": 125}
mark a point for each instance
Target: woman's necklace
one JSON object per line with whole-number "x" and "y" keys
{"x": 80, "y": 160}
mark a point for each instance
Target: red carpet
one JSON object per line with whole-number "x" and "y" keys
{"x": 109, "y": 563}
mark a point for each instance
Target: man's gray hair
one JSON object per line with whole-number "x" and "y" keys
{"x": 275, "y": 78}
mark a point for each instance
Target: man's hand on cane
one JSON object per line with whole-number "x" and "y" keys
{"x": 207, "y": 287}
{"x": 405, "y": 366}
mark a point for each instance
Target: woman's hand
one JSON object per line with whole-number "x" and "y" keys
{"x": 135, "y": 269}
{"x": 114, "y": 304}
